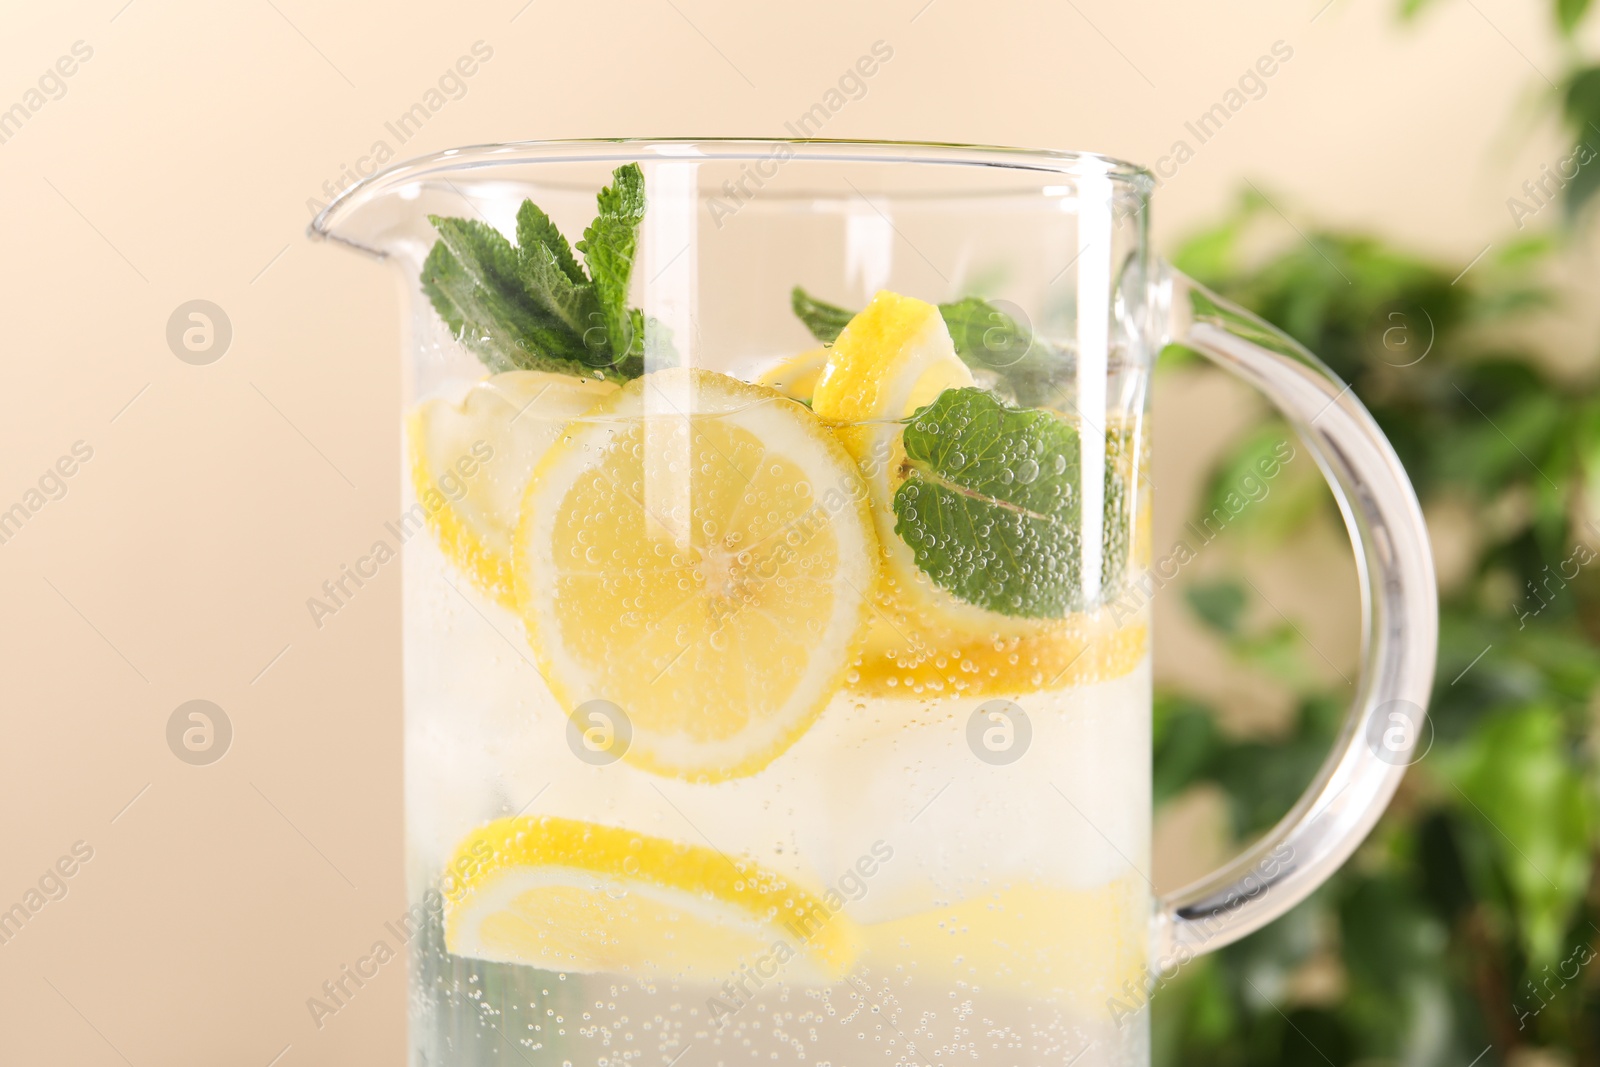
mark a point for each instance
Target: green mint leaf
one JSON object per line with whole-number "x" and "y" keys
{"x": 575, "y": 307}
{"x": 535, "y": 230}
{"x": 441, "y": 273}
{"x": 825, "y": 321}
{"x": 991, "y": 505}
{"x": 472, "y": 278}
{"x": 990, "y": 508}
{"x": 983, "y": 334}
{"x": 987, "y": 338}
{"x": 608, "y": 247}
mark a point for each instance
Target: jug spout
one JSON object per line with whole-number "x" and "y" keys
{"x": 388, "y": 214}
{"x": 380, "y": 215}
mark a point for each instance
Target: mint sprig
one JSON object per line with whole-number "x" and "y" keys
{"x": 985, "y": 337}
{"x": 992, "y": 503}
{"x": 532, "y": 306}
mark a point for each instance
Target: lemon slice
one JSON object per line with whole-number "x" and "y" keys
{"x": 583, "y": 898}
{"x": 470, "y": 463}
{"x": 1071, "y": 945}
{"x": 894, "y": 357}
{"x": 796, "y": 377}
{"x": 698, "y": 552}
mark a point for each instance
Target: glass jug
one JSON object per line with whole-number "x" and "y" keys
{"x": 777, "y": 568}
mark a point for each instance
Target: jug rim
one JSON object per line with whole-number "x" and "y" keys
{"x": 629, "y": 149}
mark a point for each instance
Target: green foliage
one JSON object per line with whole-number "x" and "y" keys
{"x": 1219, "y": 604}
{"x": 1410, "y": 9}
{"x": 1517, "y": 774}
{"x": 1467, "y": 920}
{"x": 1581, "y": 105}
{"x": 1569, "y": 13}
{"x": 1258, "y": 467}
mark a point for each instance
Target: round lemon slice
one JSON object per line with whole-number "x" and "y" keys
{"x": 796, "y": 377}
{"x": 698, "y": 552}
{"x": 582, "y": 898}
{"x": 470, "y": 463}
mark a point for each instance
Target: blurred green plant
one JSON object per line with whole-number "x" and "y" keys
{"x": 1461, "y": 931}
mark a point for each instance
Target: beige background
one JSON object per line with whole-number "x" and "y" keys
{"x": 178, "y": 165}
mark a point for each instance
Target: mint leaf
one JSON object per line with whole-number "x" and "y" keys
{"x": 991, "y": 505}
{"x": 608, "y": 247}
{"x": 472, "y": 278}
{"x": 983, "y": 334}
{"x": 976, "y": 325}
{"x": 442, "y": 276}
{"x": 987, "y": 338}
{"x": 574, "y": 306}
{"x": 534, "y": 229}
{"x": 825, "y": 321}
{"x": 990, "y": 508}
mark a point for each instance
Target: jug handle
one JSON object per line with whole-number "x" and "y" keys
{"x": 1400, "y": 625}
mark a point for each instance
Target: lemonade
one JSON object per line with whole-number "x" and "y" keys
{"x": 782, "y": 719}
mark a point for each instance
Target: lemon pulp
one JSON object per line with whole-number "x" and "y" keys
{"x": 698, "y": 552}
